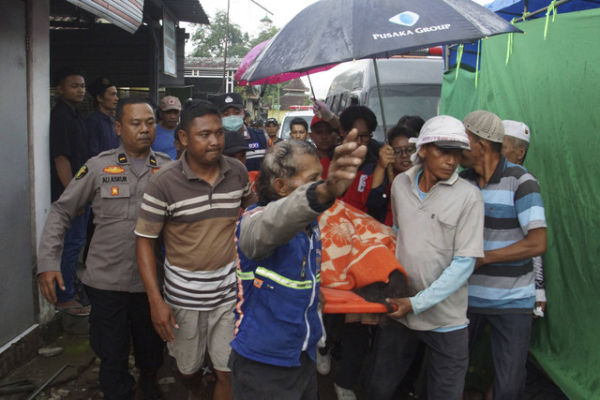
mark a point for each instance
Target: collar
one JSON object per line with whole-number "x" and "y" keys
{"x": 190, "y": 174}
{"x": 123, "y": 158}
{"x": 72, "y": 110}
{"x": 414, "y": 171}
{"x": 497, "y": 175}
{"x": 104, "y": 116}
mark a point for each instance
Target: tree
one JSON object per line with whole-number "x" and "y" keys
{"x": 209, "y": 40}
{"x": 267, "y": 33}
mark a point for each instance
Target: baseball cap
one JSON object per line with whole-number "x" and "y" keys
{"x": 234, "y": 142}
{"x": 272, "y": 121}
{"x": 224, "y": 101}
{"x": 316, "y": 120}
{"x": 516, "y": 129}
{"x": 443, "y": 131}
{"x": 170, "y": 103}
{"x": 486, "y": 125}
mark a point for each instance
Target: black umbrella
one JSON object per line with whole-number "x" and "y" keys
{"x": 333, "y": 31}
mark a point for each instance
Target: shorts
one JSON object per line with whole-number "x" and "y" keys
{"x": 199, "y": 330}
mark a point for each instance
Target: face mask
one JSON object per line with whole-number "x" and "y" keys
{"x": 233, "y": 122}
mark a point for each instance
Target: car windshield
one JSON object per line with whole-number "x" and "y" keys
{"x": 285, "y": 125}
{"x": 400, "y": 100}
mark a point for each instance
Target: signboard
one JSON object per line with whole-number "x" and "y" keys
{"x": 169, "y": 46}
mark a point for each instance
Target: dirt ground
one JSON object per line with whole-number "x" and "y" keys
{"x": 78, "y": 377}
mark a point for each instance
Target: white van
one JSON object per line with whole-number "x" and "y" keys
{"x": 284, "y": 127}
{"x": 409, "y": 86}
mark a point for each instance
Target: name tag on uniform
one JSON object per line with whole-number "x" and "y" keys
{"x": 362, "y": 183}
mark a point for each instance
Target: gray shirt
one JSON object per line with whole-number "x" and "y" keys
{"x": 114, "y": 190}
{"x": 448, "y": 223}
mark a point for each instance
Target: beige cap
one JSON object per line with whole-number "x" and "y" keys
{"x": 170, "y": 103}
{"x": 486, "y": 125}
{"x": 516, "y": 129}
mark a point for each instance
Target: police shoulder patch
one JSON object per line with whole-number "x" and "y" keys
{"x": 82, "y": 172}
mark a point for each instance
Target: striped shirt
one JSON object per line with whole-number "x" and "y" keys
{"x": 197, "y": 222}
{"x": 513, "y": 207}
{"x": 200, "y": 290}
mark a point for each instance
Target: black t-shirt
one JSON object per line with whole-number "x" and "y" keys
{"x": 69, "y": 138}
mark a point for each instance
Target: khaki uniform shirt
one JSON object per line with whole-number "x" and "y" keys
{"x": 110, "y": 183}
{"x": 448, "y": 223}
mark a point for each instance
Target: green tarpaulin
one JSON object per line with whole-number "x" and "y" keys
{"x": 554, "y": 86}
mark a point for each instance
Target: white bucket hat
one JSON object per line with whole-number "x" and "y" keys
{"x": 516, "y": 129}
{"x": 444, "y": 131}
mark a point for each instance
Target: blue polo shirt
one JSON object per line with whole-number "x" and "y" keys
{"x": 513, "y": 207}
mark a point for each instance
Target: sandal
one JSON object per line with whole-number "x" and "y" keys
{"x": 73, "y": 308}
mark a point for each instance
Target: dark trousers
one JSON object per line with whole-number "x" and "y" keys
{"x": 254, "y": 380}
{"x": 510, "y": 344}
{"x": 355, "y": 345}
{"x": 394, "y": 350}
{"x": 115, "y": 317}
{"x": 74, "y": 240}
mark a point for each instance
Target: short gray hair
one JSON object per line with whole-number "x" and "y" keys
{"x": 280, "y": 162}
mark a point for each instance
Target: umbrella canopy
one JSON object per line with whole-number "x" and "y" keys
{"x": 270, "y": 80}
{"x": 334, "y": 31}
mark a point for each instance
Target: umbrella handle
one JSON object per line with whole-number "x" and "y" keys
{"x": 311, "y": 88}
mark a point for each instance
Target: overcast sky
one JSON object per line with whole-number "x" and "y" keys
{"x": 247, "y": 15}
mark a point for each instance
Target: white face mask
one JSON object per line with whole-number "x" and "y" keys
{"x": 233, "y": 122}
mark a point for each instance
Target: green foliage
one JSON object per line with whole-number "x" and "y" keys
{"x": 271, "y": 95}
{"x": 267, "y": 33}
{"x": 209, "y": 40}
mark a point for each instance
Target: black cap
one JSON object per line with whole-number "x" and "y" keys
{"x": 224, "y": 101}
{"x": 234, "y": 142}
{"x": 272, "y": 121}
{"x": 98, "y": 86}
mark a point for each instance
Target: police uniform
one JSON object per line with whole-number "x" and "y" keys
{"x": 119, "y": 304}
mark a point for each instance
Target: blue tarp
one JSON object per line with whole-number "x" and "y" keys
{"x": 509, "y": 9}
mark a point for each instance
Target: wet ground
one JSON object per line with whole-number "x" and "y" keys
{"x": 77, "y": 378}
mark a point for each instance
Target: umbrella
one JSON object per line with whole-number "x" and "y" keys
{"x": 334, "y": 31}
{"x": 270, "y": 80}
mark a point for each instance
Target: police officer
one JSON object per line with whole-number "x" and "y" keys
{"x": 232, "y": 113}
{"x": 113, "y": 183}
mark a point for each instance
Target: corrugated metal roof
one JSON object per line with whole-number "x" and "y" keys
{"x": 187, "y": 11}
{"x": 127, "y": 15}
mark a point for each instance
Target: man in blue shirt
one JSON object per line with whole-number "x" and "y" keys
{"x": 502, "y": 288}
{"x": 168, "y": 118}
{"x": 439, "y": 217}
{"x": 101, "y": 123}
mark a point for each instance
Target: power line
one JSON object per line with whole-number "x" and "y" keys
{"x": 261, "y": 6}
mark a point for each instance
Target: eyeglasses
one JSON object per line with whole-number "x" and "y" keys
{"x": 364, "y": 137}
{"x": 408, "y": 150}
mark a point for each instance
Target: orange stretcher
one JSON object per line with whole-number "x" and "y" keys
{"x": 340, "y": 301}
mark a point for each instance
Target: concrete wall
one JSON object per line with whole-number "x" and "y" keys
{"x": 38, "y": 68}
{"x": 16, "y": 290}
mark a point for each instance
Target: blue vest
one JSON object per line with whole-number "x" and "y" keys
{"x": 257, "y": 147}
{"x": 278, "y": 296}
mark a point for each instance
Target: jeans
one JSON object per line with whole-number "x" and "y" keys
{"x": 510, "y": 345}
{"x": 394, "y": 349}
{"x": 74, "y": 240}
